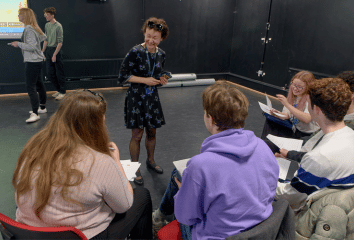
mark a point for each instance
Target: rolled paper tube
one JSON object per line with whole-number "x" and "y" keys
{"x": 199, "y": 82}
{"x": 183, "y": 77}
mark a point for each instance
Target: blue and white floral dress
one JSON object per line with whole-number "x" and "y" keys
{"x": 142, "y": 107}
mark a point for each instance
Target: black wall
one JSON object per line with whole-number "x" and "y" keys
{"x": 310, "y": 35}
{"x": 207, "y": 37}
{"x": 97, "y": 37}
{"x": 201, "y": 33}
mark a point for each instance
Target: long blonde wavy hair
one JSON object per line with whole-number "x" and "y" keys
{"x": 48, "y": 155}
{"x": 30, "y": 19}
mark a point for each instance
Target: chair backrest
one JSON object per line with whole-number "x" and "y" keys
{"x": 10, "y": 229}
{"x": 280, "y": 225}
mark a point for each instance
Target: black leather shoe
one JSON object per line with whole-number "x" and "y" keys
{"x": 154, "y": 167}
{"x": 139, "y": 181}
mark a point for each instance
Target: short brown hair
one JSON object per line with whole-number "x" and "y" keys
{"x": 332, "y": 96}
{"x": 348, "y": 77}
{"x": 164, "y": 31}
{"x": 227, "y": 105}
{"x": 50, "y": 10}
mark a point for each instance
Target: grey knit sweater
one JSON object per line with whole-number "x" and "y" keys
{"x": 31, "y": 45}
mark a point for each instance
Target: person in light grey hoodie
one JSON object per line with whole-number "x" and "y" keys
{"x": 30, "y": 45}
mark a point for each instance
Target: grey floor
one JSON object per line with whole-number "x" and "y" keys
{"x": 180, "y": 138}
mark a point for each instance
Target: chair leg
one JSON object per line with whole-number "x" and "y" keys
{"x": 6, "y": 235}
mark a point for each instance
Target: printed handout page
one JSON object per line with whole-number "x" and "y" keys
{"x": 181, "y": 165}
{"x": 130, "y": 168}
{"x": 268, "y": 107}
{"x": 284, "y": 165}
{"x": 289, "y": 144}
{"x": 269, "y": 103}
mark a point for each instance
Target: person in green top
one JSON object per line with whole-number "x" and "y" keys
{"x": 52, "y": 48}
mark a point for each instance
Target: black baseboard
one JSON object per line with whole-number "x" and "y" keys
{"x": 10, "y": 88}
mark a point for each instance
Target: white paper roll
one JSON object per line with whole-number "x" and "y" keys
{"x": 198, "y": 82}
{"x": 183, "y": 77}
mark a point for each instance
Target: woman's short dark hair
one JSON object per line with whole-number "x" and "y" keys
{"x": 51, "y": 10}
{"x": 164, "y": 31}
{"x": 332, "y": 96}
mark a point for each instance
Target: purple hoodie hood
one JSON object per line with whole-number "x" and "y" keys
{"x": 238, "y": 142}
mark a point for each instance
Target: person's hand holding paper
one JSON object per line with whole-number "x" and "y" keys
{"x": 283, "y": 153}
{"x": 271, "y": 111}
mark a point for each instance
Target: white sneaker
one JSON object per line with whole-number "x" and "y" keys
{"x": 40, "y": 110}
{"x": 55, "y": 94}
{"x": 60, "y": 96}
{"x": 33, "y": 118}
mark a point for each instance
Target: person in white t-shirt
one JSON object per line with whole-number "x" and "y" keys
{"x": 295, "y": 110}
{"x": 328, "y": 162}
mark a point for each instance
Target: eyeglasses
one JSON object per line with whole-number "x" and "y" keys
{"x": 96, "y": 94}
{"x": 158, "y": 27}
{"x": 298, "y": 87}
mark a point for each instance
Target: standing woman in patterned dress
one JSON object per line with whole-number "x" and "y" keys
{"x": 143, "y": 69}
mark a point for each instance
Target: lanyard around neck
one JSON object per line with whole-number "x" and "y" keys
{"x": 148, "y": 60}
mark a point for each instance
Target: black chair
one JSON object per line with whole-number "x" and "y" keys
{"x": 279, "y": 226}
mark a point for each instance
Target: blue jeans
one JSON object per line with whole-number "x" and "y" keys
{"x": 167, "y": 203}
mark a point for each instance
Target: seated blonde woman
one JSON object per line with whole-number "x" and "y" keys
{"x": 67, "y": 175}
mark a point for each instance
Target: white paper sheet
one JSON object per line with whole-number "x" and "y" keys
{"x": 289, "y": 144}
{"x": 284, "y": 165}
{"x": 130, "y": 168}
{"x": 264, "y": 107}
{"x": 268, "y": 107}
{"x": 181, "y": 165}
{"x": 269, "y": 103}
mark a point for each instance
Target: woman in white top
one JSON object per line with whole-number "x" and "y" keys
{"x": 295, "y": 110}
{"x": 67, "y": 175}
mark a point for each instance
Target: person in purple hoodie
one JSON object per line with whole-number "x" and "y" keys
{"x": 230, "y": 186}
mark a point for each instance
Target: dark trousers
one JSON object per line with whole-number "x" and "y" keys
{"x": 279, "y": 131}
{"x": 34, "y": 84}
{"x": 55, "y": 70}
{"x": 137, "y": 220}
{"x": 167, "y": 205}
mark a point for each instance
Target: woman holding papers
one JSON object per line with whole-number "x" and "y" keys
{"x": 67, "y": 175}
{"x": 143, "y": 69}
{"x": 295, "y": 110}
